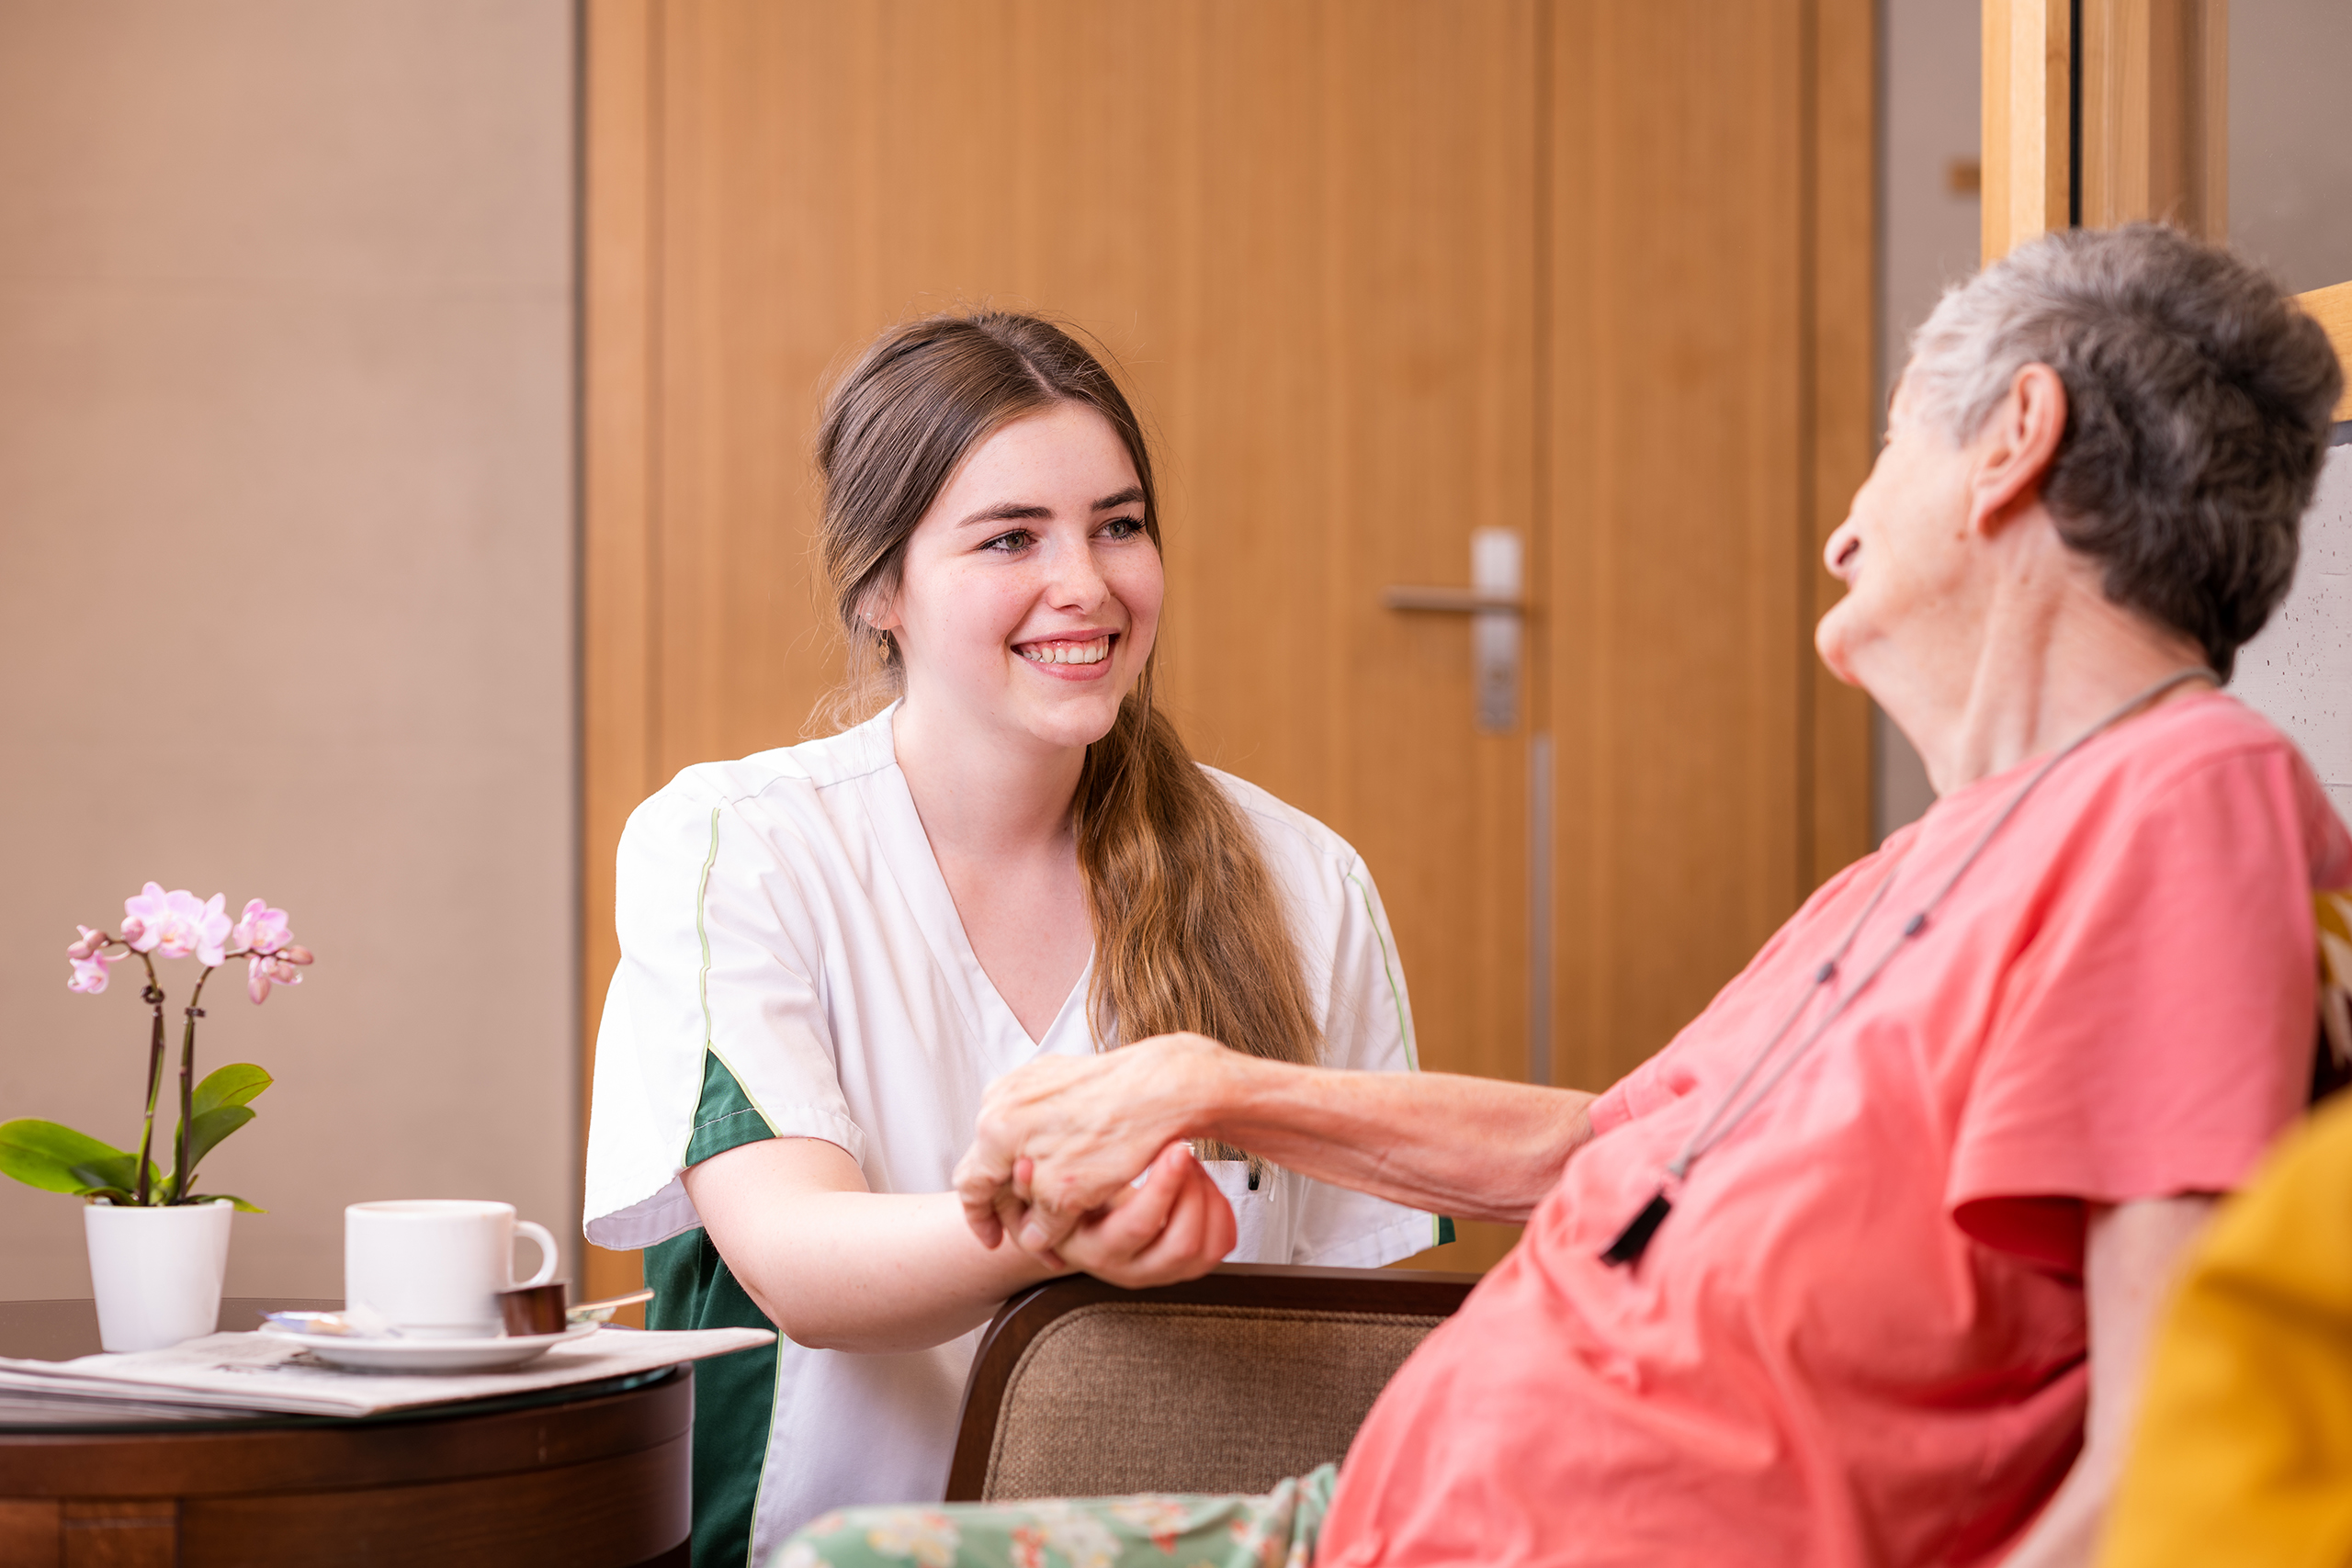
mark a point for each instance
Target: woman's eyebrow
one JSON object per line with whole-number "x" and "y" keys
{"x": 1030, "y": 512}
{"x": 1008, "y": 511}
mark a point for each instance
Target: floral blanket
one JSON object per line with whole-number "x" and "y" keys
{"x": 1275, "y": 1529}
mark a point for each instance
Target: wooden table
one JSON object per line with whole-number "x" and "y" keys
{"x": 592, "y": 1476}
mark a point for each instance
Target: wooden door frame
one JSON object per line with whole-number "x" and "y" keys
{"x": 620, "y": 268}
{"x": 2100, "y": 112}
{"x": 2331, "y": 307}
{"x": 2128, "y": 121}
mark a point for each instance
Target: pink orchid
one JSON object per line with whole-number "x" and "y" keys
{"x": 174, "y": 924}
{"x": 92, "y": 943}
{"x": 261, "y": 973}
{"x": 261, "y": 929}
{"x": 90, "y": 974}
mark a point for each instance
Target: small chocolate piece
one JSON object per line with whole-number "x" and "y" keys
{"x": 532, "y": 1309}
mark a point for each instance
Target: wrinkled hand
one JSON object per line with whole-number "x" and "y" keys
{"x": 1059, "y": 1139}
{"x": 1176, "y": 1226}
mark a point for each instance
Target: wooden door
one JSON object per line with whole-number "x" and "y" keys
{"x": 1355, "y": 258}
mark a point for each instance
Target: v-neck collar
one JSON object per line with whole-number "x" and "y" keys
{"x": 905, "y": 847}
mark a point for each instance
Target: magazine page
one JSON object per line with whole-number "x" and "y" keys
{"x": 226, "y": 1374}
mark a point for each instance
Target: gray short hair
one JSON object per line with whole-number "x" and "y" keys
{"x": 2198, "y": 400}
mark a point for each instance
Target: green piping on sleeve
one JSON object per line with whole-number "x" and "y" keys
{"x": 725, "y": 1113}
{"x": 702, "y": 935}
{"x": 1441, "y": 1225}
{"x": 1387, "y": 967}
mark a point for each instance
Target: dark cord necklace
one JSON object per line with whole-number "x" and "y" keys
{"x": 1733, "y": 1108}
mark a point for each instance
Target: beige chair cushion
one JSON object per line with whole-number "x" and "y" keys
{"x": 1126, "y": 1396}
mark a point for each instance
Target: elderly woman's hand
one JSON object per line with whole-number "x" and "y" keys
{"x": 1059, "y": 1139}
{"x": 1174, "y": 1226}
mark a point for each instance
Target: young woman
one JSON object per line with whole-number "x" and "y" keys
{"x": 830, "y": 951}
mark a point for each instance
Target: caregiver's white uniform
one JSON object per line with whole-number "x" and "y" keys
{"x": 792, "y": 965}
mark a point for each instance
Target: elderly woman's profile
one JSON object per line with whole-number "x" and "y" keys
{"x": 1859, "y": 1268}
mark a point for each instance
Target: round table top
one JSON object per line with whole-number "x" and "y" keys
{"x": 594, "y": 1475}
{"x": 62, "y": 1330}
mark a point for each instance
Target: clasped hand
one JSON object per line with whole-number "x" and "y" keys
{"x": 1057, "y": 1150}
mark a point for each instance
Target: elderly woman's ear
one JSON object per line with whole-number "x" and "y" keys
{"x": 2014, "y": 449}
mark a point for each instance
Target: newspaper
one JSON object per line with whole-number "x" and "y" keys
{"x": 229, "y": 1375}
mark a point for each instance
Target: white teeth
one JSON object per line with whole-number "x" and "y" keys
{"x": 1093, "y": 652}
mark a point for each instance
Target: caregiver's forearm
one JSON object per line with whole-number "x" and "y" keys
{"x": 1474, "y": 1148}
{"x": 838, "y": 1268}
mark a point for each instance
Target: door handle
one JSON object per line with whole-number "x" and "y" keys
{"x": 1458, "y": 601}
{"x": 1495, "y": 603}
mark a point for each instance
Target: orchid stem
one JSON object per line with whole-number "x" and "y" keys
{"x": 153, "y": 996}
{"x": 180, "y": 1172}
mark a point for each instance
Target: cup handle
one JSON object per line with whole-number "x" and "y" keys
{"x": 547, "y": 1254}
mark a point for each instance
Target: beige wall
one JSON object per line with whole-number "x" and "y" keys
{"x": 285, "y": 585}
{"x": 2290, "y": 164}
{"x": 1928, "y": 238}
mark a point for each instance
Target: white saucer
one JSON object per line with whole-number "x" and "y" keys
{"x": 426, "y": 1355}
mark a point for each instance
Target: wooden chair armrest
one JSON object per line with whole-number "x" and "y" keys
{"x": 1268, "y": 1287}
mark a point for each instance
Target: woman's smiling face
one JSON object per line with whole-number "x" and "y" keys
{"x": 1030, "y": 593}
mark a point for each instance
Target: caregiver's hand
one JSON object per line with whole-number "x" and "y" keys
{"x": 1061, "y": 1138}
{"x": 1177, "y": 1225}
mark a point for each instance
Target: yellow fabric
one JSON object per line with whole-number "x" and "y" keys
{"x": 2244, "y": 1452}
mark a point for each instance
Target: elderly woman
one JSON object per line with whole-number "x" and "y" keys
{"x": 1859, "y": 1268}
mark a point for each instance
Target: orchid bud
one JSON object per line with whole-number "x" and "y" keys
{"x": 295, "y": 954}
{"x": 133, "y": 929}
{"x": 284, "y": 974}
{"x": 257, "y": 986}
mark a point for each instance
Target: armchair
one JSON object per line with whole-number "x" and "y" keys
{"x": 1225, "y": 1384}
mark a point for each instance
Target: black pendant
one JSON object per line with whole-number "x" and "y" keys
{"x": 1634, "y": 1239}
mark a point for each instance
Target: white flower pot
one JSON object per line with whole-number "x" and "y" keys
{"x": 156, "y": 1272}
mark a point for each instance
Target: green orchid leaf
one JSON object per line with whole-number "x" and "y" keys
{"x": 210, "y": 1127}
{"x": 242, "y": 1207}
{"x": 44, "y": 1155}
{"x": 114, "y": 1195}
{"x": 113, "y": 1171}
{"x": 232, "y": 1084}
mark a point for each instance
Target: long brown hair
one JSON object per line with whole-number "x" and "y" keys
{"x": 1190, "y": 931}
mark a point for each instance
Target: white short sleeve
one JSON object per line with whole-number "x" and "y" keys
{"x": 717, "y": 972}
{"x": 1349, "y": 959}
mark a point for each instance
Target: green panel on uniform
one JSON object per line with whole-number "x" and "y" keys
{"x": 1444, "y": 1229}
{"x": 725, "y": 1117}
{"x": 734, "y": 1395}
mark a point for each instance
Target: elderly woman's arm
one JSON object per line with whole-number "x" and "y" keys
{"x": 838, "y": 1266}
{"x": 2134, "y": 1254}
{"x": 1058, "y": 1138}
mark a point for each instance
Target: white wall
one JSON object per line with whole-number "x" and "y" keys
{"x": 2290, "y": 207}
{"x": 285, "y": 585}
{"x": 2299, "y": 671}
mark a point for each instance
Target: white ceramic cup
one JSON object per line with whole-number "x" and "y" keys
{"x": 432, "y": 1267}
